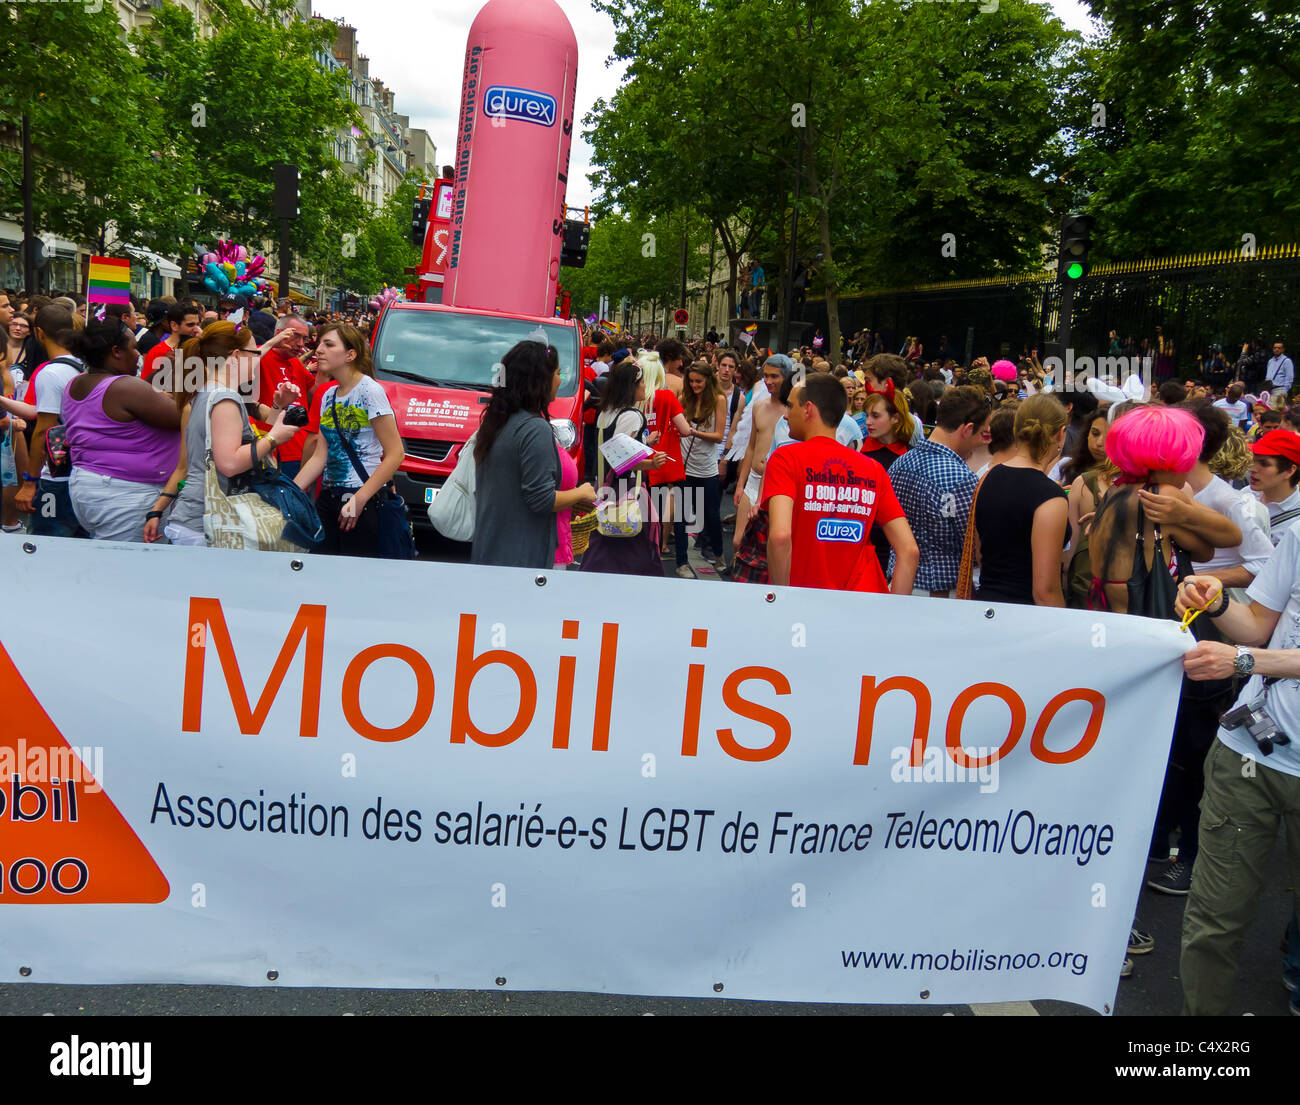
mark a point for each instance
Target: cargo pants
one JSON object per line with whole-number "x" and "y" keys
{"x": 1243, "y": 805}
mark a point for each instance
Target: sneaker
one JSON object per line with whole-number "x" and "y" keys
{"x": 1139, "y": 943}
{"x": 1159, "y": 856}
{"x": 719, "y": 565}
{"x": 687, "y": 572}
{"x": 1127, "y": 970}
{"x": 1175, "y": 879}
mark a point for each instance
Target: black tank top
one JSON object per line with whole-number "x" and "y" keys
{"x": 1004, "y": 520}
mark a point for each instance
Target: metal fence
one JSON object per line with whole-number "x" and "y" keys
{"x": 1196, "y": 302}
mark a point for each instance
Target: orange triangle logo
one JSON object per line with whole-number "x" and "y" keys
{"x": 61, "y": 843}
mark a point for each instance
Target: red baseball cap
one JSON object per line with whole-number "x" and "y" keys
{"x": 1278, "y": 443}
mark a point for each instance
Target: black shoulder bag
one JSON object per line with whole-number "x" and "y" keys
{"x": 396, "y": 541}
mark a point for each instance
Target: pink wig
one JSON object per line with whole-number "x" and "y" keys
{"x": 1154, "y": 439}
{"x": 1004, "y": 371}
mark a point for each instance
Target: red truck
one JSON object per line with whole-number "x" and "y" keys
{"x": 436, "y": 364}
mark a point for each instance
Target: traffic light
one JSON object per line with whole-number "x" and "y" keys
{"x": 286, "y": 191}
{"x": 420, "y": 220}
{"x": 573, "y": 249}
{"x": 1072, "y": 262}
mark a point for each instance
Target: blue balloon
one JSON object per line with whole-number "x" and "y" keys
{"x": 240, "y": 266}
{"x": 211, "y": 284}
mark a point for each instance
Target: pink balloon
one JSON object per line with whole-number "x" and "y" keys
{"x": 210, "y": 259}
{"x": 256, "y": 265}
{"x": 241, "y": 253}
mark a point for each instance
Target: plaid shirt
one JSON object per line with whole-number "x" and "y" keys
{"x": 935, "y": 488}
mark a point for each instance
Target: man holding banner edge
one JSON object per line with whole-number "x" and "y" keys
{"x": 1252, "y": 774}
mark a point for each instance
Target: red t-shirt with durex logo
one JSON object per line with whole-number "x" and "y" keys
{"x": 663, "y": 410}
{"x": 838, "y": 495}
{"x": 275, "y": 369}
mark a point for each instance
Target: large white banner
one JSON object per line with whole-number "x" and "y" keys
{"x": 361, "y": 773}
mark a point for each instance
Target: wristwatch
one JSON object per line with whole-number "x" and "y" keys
{"x": 1245, "y": 663}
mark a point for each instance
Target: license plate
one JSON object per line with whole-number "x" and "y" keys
{"x": 430, "y": 493}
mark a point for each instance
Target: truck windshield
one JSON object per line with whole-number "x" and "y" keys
{"x": 463, "y": 349}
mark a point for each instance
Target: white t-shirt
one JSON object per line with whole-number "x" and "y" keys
{"x": 1236, "y": 411}
{"x": 51, "y": 385}
{"x": 629, "y": 422}
{"x": 1277, "y": 530}
{"x": 351, "y": 416}
{"x": 1278, "y": 588}
{"x": 846, "y": 433}
{"x": 1255, "y": 549}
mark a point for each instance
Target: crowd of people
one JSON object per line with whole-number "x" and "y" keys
{"x": 882, "y": 473}
{"x": 99, "y": 435}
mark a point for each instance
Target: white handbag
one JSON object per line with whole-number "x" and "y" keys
{"x": 452, "y": 510}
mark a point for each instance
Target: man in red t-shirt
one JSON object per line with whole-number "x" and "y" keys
{"x": 182, "y": 324}
{"x": 822, "y": 500}
{"x": 281, "y": 365}
{"x": 323, "y": 386}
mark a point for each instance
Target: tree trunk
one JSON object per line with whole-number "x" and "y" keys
{"x": 831, "y": 351}
{"x": 832, "y": 292}
{"x": 733, "y": 268}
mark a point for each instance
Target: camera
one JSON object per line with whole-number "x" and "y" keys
{"x": 1262, "y": 728}
{"x": 295, "y": 416}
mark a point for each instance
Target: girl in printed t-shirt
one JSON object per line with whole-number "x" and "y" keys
{"x": 357, "y": 411}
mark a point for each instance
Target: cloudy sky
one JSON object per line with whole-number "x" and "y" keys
{"x": 417, "y": 48}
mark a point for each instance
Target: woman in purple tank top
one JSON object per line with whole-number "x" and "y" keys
{"x": 123, "y": 435}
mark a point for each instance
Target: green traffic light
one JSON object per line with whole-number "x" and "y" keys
{"x": 1074, "y": 271}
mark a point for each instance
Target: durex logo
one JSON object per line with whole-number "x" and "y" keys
{"x": 839, "y": 529}
{"x": 501, "y": 102}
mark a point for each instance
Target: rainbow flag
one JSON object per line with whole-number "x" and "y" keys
{"x": 109, "y": 280}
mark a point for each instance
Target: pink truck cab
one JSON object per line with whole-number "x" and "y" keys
{"x": 437, "y": 362}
